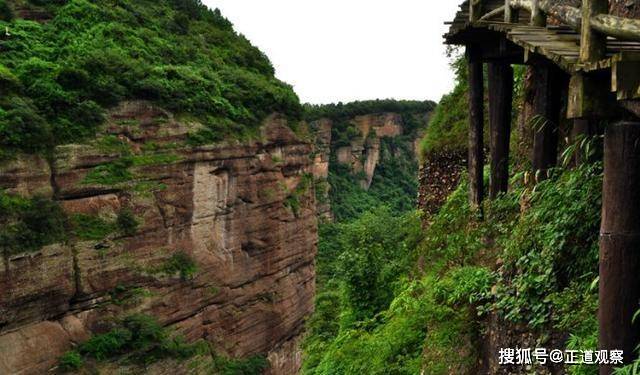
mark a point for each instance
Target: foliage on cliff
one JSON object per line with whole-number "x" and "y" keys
{"x": 58, "y": 77}
{"x": 343, "y": 130}
{"x": 394, "y": 183}
{"x": 140, "y": 340}
{"x": 450, "y": 121}
{"x": 429, "y": 315}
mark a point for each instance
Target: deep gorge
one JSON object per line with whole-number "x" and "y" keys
{"x": 169, "y": 206}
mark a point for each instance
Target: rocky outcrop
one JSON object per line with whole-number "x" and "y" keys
{"x": 438, "y": 177}
{"x": 243, "y": 213}
{"x": 363, "y": 154}
{"x": 322, "y": 156}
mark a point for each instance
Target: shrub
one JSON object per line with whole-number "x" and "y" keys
{"x": 23, "y": 129}
{"x": 70, "y": 361}
{"x": 6, "y": 13}
{"x": 112, "y": 173}
{"x": 9, "y": 83}
{"x": 140, "y": 337}
{"x": 251, "y": 366}
{"x": 90, "y": 227}
{"x": 27, "y": 224}
{"x": 180, "y": 263}
{"x": 127, "y": 222}
{"x": 131, "y": 50}
{"x": 106, "y": 345}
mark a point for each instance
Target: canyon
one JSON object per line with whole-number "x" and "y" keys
{"x": 245, "y": 213}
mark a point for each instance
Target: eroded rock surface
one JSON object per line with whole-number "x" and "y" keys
{"x": 242, "y": 212}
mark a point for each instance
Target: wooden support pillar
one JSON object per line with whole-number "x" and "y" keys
{"x": 547, "y": 87}
{"x": 476, "y": 126}
{"x": 475, "y": 10}
{"x": 619, "y": 289}
{"x": 538, "y": 17}
{"x": 593, "y": 45}
{"x": 511, "y": 15}
{"x": 500, "y": 103}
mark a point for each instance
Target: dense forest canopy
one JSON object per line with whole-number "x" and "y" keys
{"x": 58, "y": 77}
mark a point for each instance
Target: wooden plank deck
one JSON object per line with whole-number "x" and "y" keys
{"x": 559, "y": 44}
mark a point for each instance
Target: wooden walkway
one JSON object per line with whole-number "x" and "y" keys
{"x": 584, "y": 65}
{"x": 557, "y": 43}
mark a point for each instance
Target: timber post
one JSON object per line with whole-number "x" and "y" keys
{"x": 547, "y": 99}
{"x": 619, "y": 289}
{"x": 475, "y": 10}
{"x": 476, "y": 126}
{"x": 538, "y": 17}
{"x": 500, "y": 105}
{"x": 593, "y": 45}
{"x": 510, "y": 13}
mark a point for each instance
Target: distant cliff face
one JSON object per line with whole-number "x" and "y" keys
{"x": 361, "y": 153}
{"x": 241, "y": 216}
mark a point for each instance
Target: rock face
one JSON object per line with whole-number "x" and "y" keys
{"x": 439, "y": 176}
{"x": 363, "y": 153}
{"x": 322, "y": 133}
{"x": 243, "y": 213}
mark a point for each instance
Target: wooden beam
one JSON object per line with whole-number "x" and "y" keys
{"x": 510, "y": 14}
{"x": 476, "y": 128}
{"x": 619, "y": 286}
{"x": 593, "y": 45}
{"x": 500, "y": 105}
{"x": 590, "y": 97}
{"x": 538, "y": 17}
{"x": 625, "y": 80}
{"x": 618, "y": 27}
{"x": 475, "y": 10}
{"x": 496, "y": 12}
{"x": 568, "y": 15}
{"x": 599, "y": 21}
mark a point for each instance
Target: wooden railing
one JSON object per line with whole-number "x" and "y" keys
{"x": 606, "y": 24}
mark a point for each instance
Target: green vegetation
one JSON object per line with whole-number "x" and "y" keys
{"x": 91, "y": 227}
{"x": 368, "y": 323}
{"x": 59, "y": 77}
{"x": 70, "y": 361}
{"x": 394, "y": 182}
{"x": 96, "y": 228}
{"x": 139, "y": 338}
{"x": 127, "y": 222}
{"x": 344, "y": 131}
{"x": 397, "y": 298}
{"x": 251, "y": 366}
{"x": 293, "y": 199}
{"x": 449, "y": 123}
{"x": 358, "y": 108}
{"x": 27, "y": 224}
{"x": 180, "y": 263}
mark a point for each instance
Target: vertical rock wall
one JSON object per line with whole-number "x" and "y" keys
{"x": 229, "y": 208}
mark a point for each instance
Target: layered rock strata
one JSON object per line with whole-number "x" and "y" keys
{"x": 243, "y": 213}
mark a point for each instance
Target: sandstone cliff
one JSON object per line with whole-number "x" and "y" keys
{"x": 243, "y": 213}
{"x": 362, "y": 152}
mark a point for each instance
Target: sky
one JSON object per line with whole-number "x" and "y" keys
{"x": 346, "y": 50}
